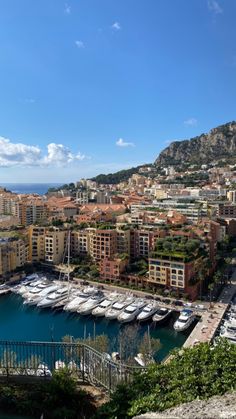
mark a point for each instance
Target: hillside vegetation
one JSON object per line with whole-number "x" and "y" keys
{"x": 194, "y": 373}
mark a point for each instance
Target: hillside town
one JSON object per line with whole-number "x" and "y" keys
{"x": 153, "y": 232}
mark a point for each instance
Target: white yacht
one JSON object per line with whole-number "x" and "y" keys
{"x": 28, "y": 286}
{"x": 161, "y": 315}
{"x": 101, "y": 309}
{"x": 72, "y": 293}
{"x": 184, "y": 320}
{"x": 147, "y": 312}
{"x": 35, "y": 298}
{"x": 35, "y": 292}
{"x": 117, "y": 307}
{"x": 87, "y": 307}
{"x": 131, "y": 311}
{"x": 53, "y": 297}
{"x": 80, "y": 299}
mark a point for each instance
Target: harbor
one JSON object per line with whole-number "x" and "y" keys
{"x": 24, "y": 322}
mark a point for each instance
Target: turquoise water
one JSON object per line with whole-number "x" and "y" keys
{"x": 39, "y": 188}
{"x": 21, "y": 323}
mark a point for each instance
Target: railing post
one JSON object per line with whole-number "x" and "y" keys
{"x": 83, "y": 362}
{"x": 109, "y": 377}
{"x": 7, "y": 368}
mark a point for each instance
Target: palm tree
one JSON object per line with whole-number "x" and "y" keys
{"x": 201, "y": 268}
{"x": 211, "y": 287}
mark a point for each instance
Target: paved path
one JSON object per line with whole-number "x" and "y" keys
{"x": 206, "y": 328}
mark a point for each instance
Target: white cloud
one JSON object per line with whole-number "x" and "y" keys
{"x": 23, "y": 155}
{"x": 168, "y": 142}
{"x": 79, "y": 44}
{"x": 191, "y": 122}
{"x": 214, "y": 7}
{"x": 122, "y": 143}
{"x": 116, "y": 26}
{"x": 67, "y": 9}
{"x": 17, "y": 153}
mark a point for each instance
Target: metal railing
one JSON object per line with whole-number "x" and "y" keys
{"x": 41, "y": 359}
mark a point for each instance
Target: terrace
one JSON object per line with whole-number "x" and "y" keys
{"x": 177, "y": 248}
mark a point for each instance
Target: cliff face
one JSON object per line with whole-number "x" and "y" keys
{"x": 218, "y": 144}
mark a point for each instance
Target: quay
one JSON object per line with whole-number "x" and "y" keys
{"x": 206, "y": 328}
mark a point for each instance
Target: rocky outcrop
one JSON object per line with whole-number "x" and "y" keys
{"x": 217, "y": 407}
{"x": 218, "y": 144}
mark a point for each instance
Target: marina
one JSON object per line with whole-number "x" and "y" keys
{"x": 29, "y": 322}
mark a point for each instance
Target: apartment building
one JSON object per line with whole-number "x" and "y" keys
{"x": 103, "y": 244}
{"x": 143, "y": 241}
{"x": 123, "y": 241}
{"x": 36, "y": 243}
{"x": 79, "y": 242}
{"x": 173, "y": 274}
{"x": 226, "y": 211}
{"x": 111, "y": 269}
{"x": 55, "y": 245}
{"x": 14, "y": 253}
{"x": 47, "y": 245}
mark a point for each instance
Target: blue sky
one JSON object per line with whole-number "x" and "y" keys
{"x": 94, "y": 86}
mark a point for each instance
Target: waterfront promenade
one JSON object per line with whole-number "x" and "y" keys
{"x": 206, "y": 328}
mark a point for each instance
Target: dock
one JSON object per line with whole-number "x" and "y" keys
{"x": 207, "y": 326}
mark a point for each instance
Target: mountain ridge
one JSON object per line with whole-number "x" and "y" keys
{"x": 217, "y": 145}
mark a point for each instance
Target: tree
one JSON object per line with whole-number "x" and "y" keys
{"x": 211, "y": 288}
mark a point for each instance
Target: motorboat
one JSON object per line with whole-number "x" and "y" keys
{"x": 43, "y": 370}
{"x": 147, "y": 312}
{"x": 143, "y": 361}
{"x": 184, "y": 320}
{"x": 228, "y": 331}
{"x": 82, "y": 297}
{"x": 53, "y": 297}
{"x": 69, "y": 297}
{"x": 34, "y": 299}
{"x": 131, "y": 311}
{"x": 4, "y": 289}
{"x": 60, "y": 364}
{"x": 87, "y": 307}
{"x": 161, "y": 315}
{"x": 101, "y": 309}
{"x": 35, "y": 291}
{"x": 27, "y": 286}
{"x": 116, "y": 308}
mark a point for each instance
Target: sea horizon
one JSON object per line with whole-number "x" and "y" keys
{"x": 34, "y": 187}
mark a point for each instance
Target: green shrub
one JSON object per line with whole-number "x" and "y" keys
{"x": 199, "y": 372}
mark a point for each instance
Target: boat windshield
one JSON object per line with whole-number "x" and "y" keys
{"x": 118, "y": 306}
{"x": 105, "y": 303}
{"x": 147, "y": 309}
{"x": 162, "y": 311}
{"x": 130, "y": 309}
{"x": 182, "y": 320}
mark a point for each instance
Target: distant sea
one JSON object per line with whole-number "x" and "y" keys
{"x": 39, "y": 188}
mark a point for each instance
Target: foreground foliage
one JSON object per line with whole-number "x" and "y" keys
{"x": 58, "y": 398}
{"x": 199, "y": 372}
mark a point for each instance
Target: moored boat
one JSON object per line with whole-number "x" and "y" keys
{"x": 147, "y": 312}
{"x": 131, "y": 311}
{"x": 53, "y": 297}
{"x": 90, "y": 304}
{"x": 101, "y": 309}
{"x": 81, "y": 298}
{"x": 161, "y": 315}
{"x": 116, "y": 308}
{"x": 184, "y": 320}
